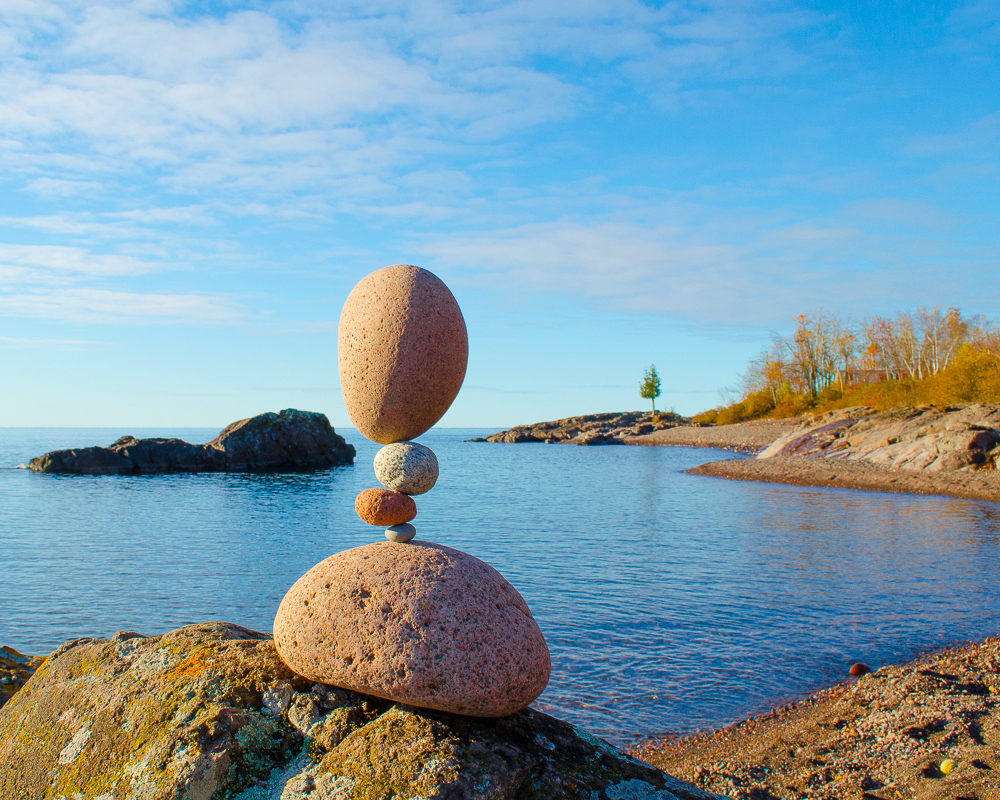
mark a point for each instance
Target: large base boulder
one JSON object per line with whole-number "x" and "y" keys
{"x": 288, "y": 441}
{"x": 418, "y": 623}
{"x": 209, "y": 712}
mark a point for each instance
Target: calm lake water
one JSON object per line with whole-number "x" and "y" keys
{"x": 670, "y": 602}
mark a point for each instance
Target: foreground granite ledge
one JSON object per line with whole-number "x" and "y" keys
{"x": 209, "y": 712}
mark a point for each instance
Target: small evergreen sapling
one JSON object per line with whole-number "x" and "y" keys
{"x": 650, "y": 386}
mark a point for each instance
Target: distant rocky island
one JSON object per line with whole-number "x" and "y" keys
{"x": 288, "y": 441}
{"x": 590, "y": 429}
{"x": 646, "y": 427}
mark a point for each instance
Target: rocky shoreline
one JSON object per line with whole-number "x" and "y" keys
{"x": 953, "y": 451}
{"x": 589, "y": 429}
{"x": 647, "y": 428}
{"x": 927, "y": 729}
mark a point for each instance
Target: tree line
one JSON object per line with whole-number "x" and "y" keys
{"x": 827, "y": 351}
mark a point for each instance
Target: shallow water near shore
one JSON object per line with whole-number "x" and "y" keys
{"x": 671, "y": 603}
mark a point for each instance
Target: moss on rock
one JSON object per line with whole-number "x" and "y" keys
{"x": 209, "y": 712}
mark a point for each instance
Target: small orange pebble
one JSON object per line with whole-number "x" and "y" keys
{"x": 383, "y": 507}
{"x": 857, "y": 670}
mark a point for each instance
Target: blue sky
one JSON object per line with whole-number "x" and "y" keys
{"x": 188, "y": 192}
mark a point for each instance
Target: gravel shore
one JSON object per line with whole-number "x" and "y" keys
{"x": 929, "y": 729}
{"x": 803, "y": 471}
{"x": 744, "y": 437}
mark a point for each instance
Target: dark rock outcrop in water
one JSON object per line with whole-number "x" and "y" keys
{"x": 610, "y": 428}
{"x": 285, "y": 442}
{"x": 210, "y": 711}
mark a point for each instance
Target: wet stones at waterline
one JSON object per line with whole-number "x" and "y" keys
{"x": 409, "y": 620}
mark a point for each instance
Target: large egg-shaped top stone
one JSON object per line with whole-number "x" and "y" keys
{"x": 418, "y": 623}
{"x": 403, "y": 349}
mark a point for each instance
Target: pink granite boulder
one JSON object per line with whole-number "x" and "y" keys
{"x": 403, "y": 349}
{"x": 417, "y": 623}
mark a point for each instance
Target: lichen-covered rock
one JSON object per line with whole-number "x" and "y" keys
{"x": 418, "y": 623}
{"x": 403, "y": 349}
{"x": 209, "y": 712}
{"x": 290, "y": 440}
{"x": 15, "y": 669}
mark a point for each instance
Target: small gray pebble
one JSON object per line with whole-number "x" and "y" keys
{"x": 406, "y": 467}
{"x": 400, "y": 533}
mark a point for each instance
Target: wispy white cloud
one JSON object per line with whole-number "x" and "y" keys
{"x": 71, "y": 284}
{"x": 733, "y": 267}
{"x": 974, "y": 27}
{"x": 259, "y": 101}
{"x": 981, "y": 136}
{"x": 391, "y": 112}
{"x": 57, "y": 187}
{"x": 19, "y": 341}
{"x": 44, "y": 263}
{"x": 107, "y": 306}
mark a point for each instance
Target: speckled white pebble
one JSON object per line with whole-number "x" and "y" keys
{"x": 400, "y": 533}
{"x": 406, "y": 467}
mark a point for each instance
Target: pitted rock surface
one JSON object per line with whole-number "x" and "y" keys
{"x": 406, "y": 467}
{"x": 382, "y": 507}
{"x": 403, "y": 350}
{"x": 417, "y": 623}
{"x": 209, "y": 711}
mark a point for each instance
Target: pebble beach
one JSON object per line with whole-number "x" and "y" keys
{"x": 928, "y": 729}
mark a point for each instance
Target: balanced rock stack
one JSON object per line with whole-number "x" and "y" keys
{"x": 409, "y": 620}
